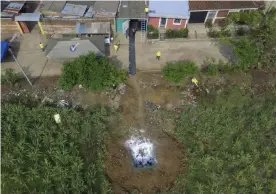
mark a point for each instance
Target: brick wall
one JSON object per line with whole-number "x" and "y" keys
{"x": 8, "y": 26}
{"x": 222, "y": 13}
{"x": 154, "y": 21}
{"x": 62, "y": 26}
{"x": 173, "y": 26}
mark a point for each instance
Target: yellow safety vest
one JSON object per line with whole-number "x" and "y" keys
{"x": 158, "y": 54}
{"x": 194, "y": 80}
{"x": 41, "y": 46}
{"x": 146, "y": 10}
{"x": 116, "y": 47}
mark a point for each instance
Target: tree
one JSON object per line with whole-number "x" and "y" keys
{"x": 92, "y": 72}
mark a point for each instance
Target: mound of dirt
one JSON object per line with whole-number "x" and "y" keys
{"x": 125, "y": 178}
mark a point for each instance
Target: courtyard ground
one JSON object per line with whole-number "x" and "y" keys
{"x": 35, "y": 63}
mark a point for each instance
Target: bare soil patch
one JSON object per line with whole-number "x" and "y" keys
{"x": 125, "y": 179}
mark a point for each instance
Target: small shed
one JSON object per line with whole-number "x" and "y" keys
{"x": 69, "y": 49}
{"x": 93, "y": 28}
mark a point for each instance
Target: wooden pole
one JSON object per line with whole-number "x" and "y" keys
{"x": 20, "y": 67}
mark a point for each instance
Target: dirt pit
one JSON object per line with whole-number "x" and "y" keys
{"x": 125, "y": 178}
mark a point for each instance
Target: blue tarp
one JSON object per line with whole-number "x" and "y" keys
{"x": 4, "y": 49}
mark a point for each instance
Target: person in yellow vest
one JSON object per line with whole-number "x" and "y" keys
{"x": 146, "y": 10}
{"x": 116, "y": 47}
{"x": 194, "y": 80}
{"x": 158, "y": 55}
{"x": 41, "y": 46}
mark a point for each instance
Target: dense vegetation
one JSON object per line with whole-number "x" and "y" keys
{"x": 258, "y": 48}
{"x": 91, "y": 72}
{"x": 230, "y": 145}
{"x": 176, "y": 71}
{"x": 40, "y": 156}
{"x": 9, "y": 77}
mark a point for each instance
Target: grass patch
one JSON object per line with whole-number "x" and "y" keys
{"x": 177, "y": 71}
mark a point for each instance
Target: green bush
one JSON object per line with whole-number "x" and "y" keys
{"x": 213, "y": 33}
{"x": 153, "y": 32}
{"x": 208, "y": 24}
{"x": 177, "y": 71}
{"x": 91, "y": 72}
{"x": 246, "y": 52}
{"x": 225, "y": 33}
{"x": 177, "y": 33}
{"x": 212, "y": 69}
{"x": 41, "y": 156}
{"x": 9, "y": 77}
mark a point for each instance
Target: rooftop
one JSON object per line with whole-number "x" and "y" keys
{"x": 105, "y": 8}
{"x": 60, "y": 49}
{"x": 169, "y": 9}
{"x": 131, "y": 9}
{"x": 215, "y": 5}
{"x": 53, "y": 6}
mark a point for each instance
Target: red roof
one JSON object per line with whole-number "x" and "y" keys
{"x": 215, "y": 5}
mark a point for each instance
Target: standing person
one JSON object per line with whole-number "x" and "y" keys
{"x": 146, "y": 11}
{"x": 127, "y": 33}
{"x": 41, "y": 46}
{"x": 116, "y": 47}
{"x": 194, "y": 80}
{"x": 158, "y": 55}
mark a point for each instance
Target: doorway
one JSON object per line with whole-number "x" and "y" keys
{"x": 163, "y": 22}
{"x": 198, "y": 17}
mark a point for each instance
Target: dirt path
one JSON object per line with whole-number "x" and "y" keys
{"x": 134, "y": 83}
{"x": 136, "y": 120}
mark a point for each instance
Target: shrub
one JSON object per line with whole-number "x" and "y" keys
{"x": 240, "y": 32}
{"x": 9, "y": 77}
{"x": 153, "y": 32}
{"x": 225, "y": 33}
{"x": 91, "y": 72}
{"x": 213, "y": 33}
{"x": 212, "y": 69}
{"x": 177, "y": 71}
{"x": 177, "y": 33}
{"x": 208, "y": 24}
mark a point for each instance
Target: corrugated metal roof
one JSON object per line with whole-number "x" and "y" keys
{"x": 31, "y": 17}
{"x": 53, "y": 6}
{"x": 93, "y": 28}
{"x": 61, "y": 49}
{"x": 215, "y": 5}
{"x": 105, "y": 8}
{"x": 72, "y": 9}
{"x": 132, "y": 9}
{"x": 14, "y": 7}
{"x": 89, "y": 13}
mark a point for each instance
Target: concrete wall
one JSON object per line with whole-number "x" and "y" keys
{"x": 154, "y": 21}
{"x": 8, "y": 26}
{"x": 62, "y": 26}
{"x": 222, "y": 13}
{"x": 173, "y": 26}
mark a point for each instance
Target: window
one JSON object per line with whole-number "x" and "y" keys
{"x": 211, "y": 14}
{"x": 177, "y": 21}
